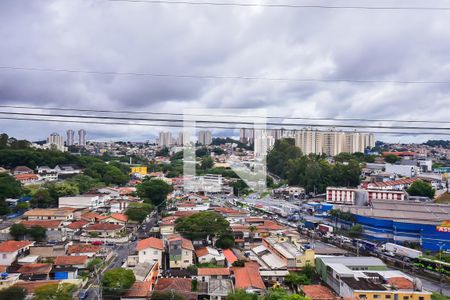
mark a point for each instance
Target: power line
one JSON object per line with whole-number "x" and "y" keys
{"x": 237, "y": 123}
{"x": 264, "y": 5}
{"x": 197, "y": 126}
{"x": 223, "y": 115}
{"x": 220, "y": 77}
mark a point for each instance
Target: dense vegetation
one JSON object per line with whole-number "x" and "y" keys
{"x": 421, "y": 188}
{"x": 116, "y": 281}
{"x": 438, "y": 143}
{"x": 154, "y": 192}
{"x": 313, "y": 172}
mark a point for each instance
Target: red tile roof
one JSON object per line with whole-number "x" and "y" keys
{"x": 30, "y": 269}
{"x": 248, "y": 277}
{"x": 11, "y": 246}
{"x": 185, "y": 243}
{"x": 201, "y": 252}
{"x": 393, "y": 182}
{"x": 140, "y": 289}
{"x": 70, "y": 260}
{"x": 400, "y": 153}
{"x": 103, "y": 227}
{"x": 185, "y": 213}
{"x": 83, "y": 248}
{"x": 213, "y": 271}
{"x": 116, "y": 216}
{"x": 90, "y": 215}
{"x": 150, "y": 242}
{"x": 317, "y": 292}
{"x": 401, "y": 283}
{"x": 21, "y": 177}
{"x": 179, "y": 285}
{"x": 229, "y": 255}
{"x": 47, "y": 224}
{"x": 77, "y": 224}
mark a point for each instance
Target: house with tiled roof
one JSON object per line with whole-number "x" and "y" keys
{"x": 83, "y": 250}
{"x": 76, "y": 226}
{"x": 79, "y": 262}
{"x": 206, "y": 274}
{"x": 55, "y": 231}
{"x": 11, "y": 250}
{"x": 62, "y": 214}
{"x": 115, "y": 218}
{"x": 103, "y": 230}
{"x": 27, "y": 178}
{"x": 181, "y": 253}
{"x": 248, "y": 278}
{"x": 182, "y": 286}
{"x": 140, "y": 290}
{"x": 37, "y": 271}
{"x": 150, "y": 250}
{"x": 91, "y": 216}
{"x": 167, "y": 225}
{"x": 317, "y": 292}
{"x": 21, "y": 170}
{"x": 210, "y": 255}
{"x": 229, "y": 256}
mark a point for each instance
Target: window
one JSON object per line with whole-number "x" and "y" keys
{"x": 376, "y": 297}
{"x": 144, "y": 253}
{"x": 362, "y": 296}
{"x": 186, "y": 261}
{"x": 4, "y": 256}
{"x": 405, "y": 297}
{"x": 388, "y": 296}
{"x": 421, "y": 298}
{"x": 155, "y": 252}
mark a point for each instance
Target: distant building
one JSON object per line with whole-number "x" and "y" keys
{"x": 70, "y": 138}
{"x": 165, "y": 139}
{"x": 56, "y": 141}
{"x": 181, "y": 253}
{"x": 81, "y": 137}
{"x": 205, "y": 137}
{"x": 141, "y": 170}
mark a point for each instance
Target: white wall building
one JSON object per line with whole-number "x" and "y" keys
{"x": 82, "y": 137}
{"x": 56, "y": 141}
{"x": 165, "y": 139}
{"x": 70, "y": 137}
{"x": 80, "y": 201}
{"x": 205, "y": 137}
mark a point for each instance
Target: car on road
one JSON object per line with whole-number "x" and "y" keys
{"x": 97, "y": 243}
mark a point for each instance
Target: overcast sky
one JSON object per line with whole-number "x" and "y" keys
{"x": 97, "y": 35}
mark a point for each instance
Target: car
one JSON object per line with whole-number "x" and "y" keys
{"x": 97, "y": 243}
{"x": 83, "y": 294}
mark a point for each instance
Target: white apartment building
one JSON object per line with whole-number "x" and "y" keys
{"x": 80, "y": 201}
{"x": 56, "y": 141}
{"x": 205, "y": 137}
{"x": 150, "y": 250}
{"x": 165, "y": 139}
{"x": 332, "y": 142}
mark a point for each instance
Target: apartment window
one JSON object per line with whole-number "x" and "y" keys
{"x": 362, "y": 296}
{"x": 405, "y": 297}
{"x": 186, "y": 261}
{"x": 376, "y": 297}
{"x": 388, "y": 296}
{"x": 4, "y": 256}
{"x": 421, "y": 298}
{"x": 144, "y": 253}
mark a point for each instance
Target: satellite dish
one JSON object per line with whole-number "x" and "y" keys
{"x": 417, "y": 284}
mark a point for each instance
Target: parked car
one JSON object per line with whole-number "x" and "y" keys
{"x": 97, "y": 243}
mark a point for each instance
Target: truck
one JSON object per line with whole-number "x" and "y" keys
{"x": 325, "y": 228}
{"x": 399, "y": 250}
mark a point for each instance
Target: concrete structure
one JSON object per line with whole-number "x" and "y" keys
{"x": 70, "y": 141}
{"x": 165, "y": 139}
{"x": 10, "y": 250}
{"x": 80, "y": 201}
{"x": 150, "y": 250}
{"x": 56, "y": 141}
{"x": 181, "y": 253}
{"x": 402, "y": 170}
{"x": 332, "y": 142}
{"x": 349, "y": 196}
{"x": 82, "y": 138}
{"x": 204, "y": 137}
{"x": 141, "y": 170}
{"x": 293, "y": 256}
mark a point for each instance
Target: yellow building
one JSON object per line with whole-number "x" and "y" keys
{"x": 139, "y": 170}
{"x": 392, "y": 295}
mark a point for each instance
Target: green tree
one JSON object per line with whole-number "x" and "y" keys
{"x": 13, "y": 293}
{"x": 207, "y": 163}
{"x": 203, "y": 225}
{"x": 37, "y": 233}
{"x": 240, "y": 187}
{"x": 42, "y": 199}
{"x": 242, "y": 295}
{"x": 94, "y": 263}
{"x": 421, "y": 188}
{"x": 356, "y": 231}
{"x": 295, "y": 279}
{"x": 22, "y": 206}
{"x": 281, "y": 294}
{"x": 109, "y": 174}
{"x": 154, "y": 191}
{"x": 9, "y": 187}
{"x": 225, "y": 242}
{"x": 63, "y": 291}
{"x": 391, "y": 158}
{"x": 283, "y": 151}
{"x": 18, "y": 231}
{"x": 84, "y": 182}
{"x": 138, "y": 211}
{"x": 62, "y": 189}
{"x": 117, "y": 281}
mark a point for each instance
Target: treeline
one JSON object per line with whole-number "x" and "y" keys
{"x": 313, "y": 172}
{"x": 438, "y": 143}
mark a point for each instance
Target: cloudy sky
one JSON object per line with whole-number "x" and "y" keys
{"x": 292, "y": 43}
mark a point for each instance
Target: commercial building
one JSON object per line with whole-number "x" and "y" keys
{"x": 349, "y": 196}
{"x": 293, "y": 256}
{"x": 367, "y": 278}
{"x": 141, "y": 170}
{"x": 80, "y": 201}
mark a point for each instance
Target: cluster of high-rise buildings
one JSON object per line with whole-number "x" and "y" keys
{"x": 165, "y": 139}
{"x": 57, "y": 141}
{"x": 330, "y": 142}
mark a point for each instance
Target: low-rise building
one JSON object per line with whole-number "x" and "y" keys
{"x": 150, "y": 250}
{"x": 248, "y": 278}
{"x": 80, "y": 201}
{"x": 181, "y": 253}
{"x": 210, "y": 255}
{"x": 60, "y": 214}
{"x": 11, "y": 250}
{"x": 103, "y": 230}
{"x": 206, "y": 274}
{"x": 292, "y": 255}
